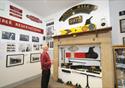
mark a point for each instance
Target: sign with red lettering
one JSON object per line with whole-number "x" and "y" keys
{"x": 33, "y": 18}
{"x": 12, "y": 23}
{"x": 16, "y": 12}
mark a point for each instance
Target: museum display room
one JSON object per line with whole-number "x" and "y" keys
{"x": 86, "y": 44}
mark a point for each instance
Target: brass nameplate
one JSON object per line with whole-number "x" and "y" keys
{"x": 77, "y": 19}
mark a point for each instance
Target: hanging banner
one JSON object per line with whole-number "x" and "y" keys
{"x": 15, "y": 24}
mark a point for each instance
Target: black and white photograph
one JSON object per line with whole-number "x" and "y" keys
{"x": 120, "y": 56}
{"x": 8, "y": 35}
{"x": 51, "y": 44}
{"x": 28, "y": 48}
{"x": 34, "y": 57}
{"x": 22, "y": 47}
{"x": 25, "y": 47}
{"x": 36, "y": 47}
{"x": 11, "y": 47}
{"x": 35, "y": 39}
{"x": 122, "y": 25}
{"x": 14, "y": 60}
{"x": 49, "y": 32}
{"x": 24, "y": 37}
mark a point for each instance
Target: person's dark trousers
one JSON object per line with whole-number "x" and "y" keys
{"x": 45, "y": 78}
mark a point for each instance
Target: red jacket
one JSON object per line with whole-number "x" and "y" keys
{"x": 45, "y": 61}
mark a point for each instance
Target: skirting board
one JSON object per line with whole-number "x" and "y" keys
{"x": 22, "y": 81}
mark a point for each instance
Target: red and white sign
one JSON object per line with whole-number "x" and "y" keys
{"x": 12, "y": 23}
{"x": 16, "y": 12}
{"x": 76, "y": 55}
{"x": 33, "y": 18}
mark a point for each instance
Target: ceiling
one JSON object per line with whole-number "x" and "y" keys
{"x": 45, "y": 8}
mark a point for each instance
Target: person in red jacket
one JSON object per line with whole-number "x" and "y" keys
{"x": 45, "y": 66}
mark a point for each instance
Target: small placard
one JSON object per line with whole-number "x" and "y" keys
{"x": 77, "y": 19}
{"x": 122, "y": 13}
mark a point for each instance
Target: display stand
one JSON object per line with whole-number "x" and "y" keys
{"x": 98, "y": 36}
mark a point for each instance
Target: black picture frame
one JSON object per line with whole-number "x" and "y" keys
{"x": 8, "y": 35}
{"x": 14, "y": 60}
{"x": 35, "y": 39}
{"x": 35, "y": 57}
{"x": 122, "y": 25}
{"x": 51, "y": 44}
{"x": 24, "y": 37}
{"x": 121, "y": 13}
{"x": 123, "y": 40}
{"x": 49, "y": 31}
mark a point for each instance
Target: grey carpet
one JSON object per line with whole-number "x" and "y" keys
{"x": 36, "y": 84}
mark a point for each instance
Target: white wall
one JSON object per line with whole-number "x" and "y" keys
{"x": 9, "y": 75}
{"x": 101, "y": 12}
{"x": 115, "y": 7}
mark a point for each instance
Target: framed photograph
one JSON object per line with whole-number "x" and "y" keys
{"x": 8, "y": 35}
{"x": 49, "y": 32}
{"x": 51, "y": 44}
{"x": 24, "y": 47}
{"x": 35, "y": 39}
{"x": 122, "y": 25}
{"x": 14, "y": 60}
{"x": 24, "y": 37}
{"x": 34, "y": 57}
{"x": 119, "y": 58}
{"x": 123, "y": 40}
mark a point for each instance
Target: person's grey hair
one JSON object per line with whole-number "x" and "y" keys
{"x": 44, "y": 46}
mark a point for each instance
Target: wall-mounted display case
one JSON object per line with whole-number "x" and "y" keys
{"x": 119, "y": 57}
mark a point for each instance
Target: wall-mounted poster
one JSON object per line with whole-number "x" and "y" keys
{"x": 122, "y": 25}
{"x": 49, "y": 30}
{"x": 35, "y": 39}
{"x": 8, "y": 35}
{"x": 11, "y": 47}
{"x": 34, "y": 57}
{"x": 14, "y": 60}
{"x": 24, "y": 37}
{"x": 25, "y": 48}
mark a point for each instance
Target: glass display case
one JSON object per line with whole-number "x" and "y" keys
{"x": 119, "y": 57}
{"x": 85, "y": 58}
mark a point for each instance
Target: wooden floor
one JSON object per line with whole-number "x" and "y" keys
{"x": 36, "y": 84}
